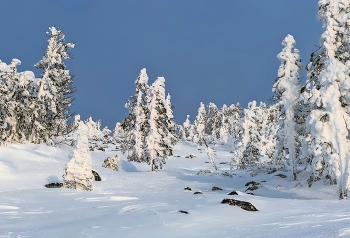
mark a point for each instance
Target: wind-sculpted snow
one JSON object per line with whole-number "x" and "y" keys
{"x": 135, "y": 202}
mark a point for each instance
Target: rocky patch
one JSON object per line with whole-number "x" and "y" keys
{"x": 96, "y": 175}
{"x": 54, "y": 185}
{"x": 244, "y": 205}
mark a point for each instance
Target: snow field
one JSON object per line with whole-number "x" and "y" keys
{"x": 135, "y": 202}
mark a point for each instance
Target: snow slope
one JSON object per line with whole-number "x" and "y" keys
{"x": 136, "y": 202}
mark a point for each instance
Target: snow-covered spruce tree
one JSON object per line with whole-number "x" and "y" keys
{"x": 136, "y": 123}
{"x": 230, "y": 129}
{"x": 159, "y": 144}
{"x": 188, "y": 129}
{"x": 77, "y": 174}
{"x": 212, "y": 128}
{"x": 118, "y": 133}
{"x": 286, "y": 91}
{"x": 200, "y": 124}
{"x": 4, "y": 110}
{"x": 249, "y": 146}
{"x": 20, "y": 90}
{"x": 268, "y": 133}
{"x": 170, "y": 122}
{"x": 327, "y": 92}
{"x": 55, "y": 87}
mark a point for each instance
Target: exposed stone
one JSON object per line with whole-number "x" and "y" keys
{"x": 96, "y": 175}
{"x": 188, "y": 188}
{"x": 197, "y": 193}
{"x": 252, "y": 188}
{"x": 244, "y": 205}
{"x": 215, "y": 188}
{"x": 54, "y": 185}
{"x": 251, "y": 183}
{"x": 191, "y": 156}
{"x": 182, "y": 211}
{"x": 281, "y": 175}
{"x": 233, "y": 193}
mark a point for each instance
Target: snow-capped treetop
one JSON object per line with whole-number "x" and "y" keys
{"x": 287, "y": 85}
{"x": 56, "y": 51}
{"x": 3, "y": 66}
{"x": 143, "y": 78}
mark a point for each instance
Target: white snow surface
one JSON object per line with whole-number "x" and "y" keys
{"x": 135, "y": 202}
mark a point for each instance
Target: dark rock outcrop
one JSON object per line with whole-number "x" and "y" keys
{"x": 244, "y": 205}
{"x": 233, "y": 193}
{"x": 54, "y": 185}
{"x": 96, "y": 175}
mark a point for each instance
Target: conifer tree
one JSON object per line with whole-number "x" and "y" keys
{"x": 4, "y": 110}
{"x": 159, "y": 144}
{"x": 212, "y": 128}
{"x": 19, "y": 99}
{"x": 249, "y": 146}
{"x": 77, "y": 174}
{"x": 327, "y": 92}
{"x": 170, "y": 122}
{"x": 286, "y": 91}
{"x": 118, "y": 133}
{"x": 55, "y": 87}
{"x": 136, "y": 123}
{"x": 200, "y": 124}
{"x": 188, "y": 130}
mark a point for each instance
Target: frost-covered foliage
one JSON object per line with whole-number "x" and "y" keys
{"x": 159, "y": 137}
{"x": 327, "y": 92}
{"x": 77, "y": 174}
{"x": 136, "y": 123}
{"x": 188, "y": 129}
{"x": 149, "y": 131}
{"x": 286, "y": 91}
{"x": 199, "y": 125}
{"x": 118, "y": 133}
{"x": 112, "y": 163}
{"x": 54, "y": 97}
{"x": 254, "y": 136}
{"x": 17, "y": 102}
{"x": 170, "y": 122}
{"x": 212, "y": 125}
{"x": 98, "y": 139}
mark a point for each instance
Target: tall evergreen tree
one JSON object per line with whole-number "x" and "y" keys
{"x": 170, "y": 122}
{"x": 200, "y": 124}
{"x": 328, "y": 94}
{"x": 212, "y": 128}
{"x": 136, "y": 123}
{"x": 188, "y": 129}
{"x": 55, "y": 87}
{"x": 286, "y": 91}
{"x": 159, "y": 144}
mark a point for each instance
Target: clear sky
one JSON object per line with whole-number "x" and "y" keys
{"x": 208, "y": 51}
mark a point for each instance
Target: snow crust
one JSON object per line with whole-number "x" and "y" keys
{"x": 135, "y": 202}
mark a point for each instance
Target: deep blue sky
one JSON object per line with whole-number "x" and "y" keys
{"x": 210, "y": 51}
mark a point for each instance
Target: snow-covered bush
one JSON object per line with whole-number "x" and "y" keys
{"x": 112, "y": 163}
{"x": 77, "y": 174}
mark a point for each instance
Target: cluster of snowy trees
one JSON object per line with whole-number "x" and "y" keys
{"x": 305, "y": 124}
{"x": 36, "y": 110}
{"x": 148, "y": 133}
